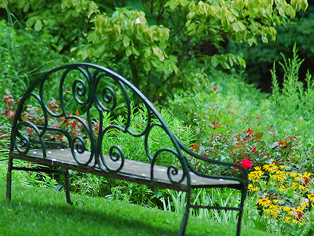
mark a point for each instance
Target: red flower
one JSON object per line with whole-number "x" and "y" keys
{"x": 9, "y": 114}
{"x": 3, "y": 135}
{"x": 216, "y": 125}
{"x": 73, "y": 124}
{"x": 96, "y": 127}
{"x": 306, "y": 180}
{"x": 280, "y": 144}
{"x": 249, "y": 132}
{"x": 8, "y": 98}
{"x": 246, "y": 163}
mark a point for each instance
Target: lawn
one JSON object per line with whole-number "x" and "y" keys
{"x": 38, "y": 211}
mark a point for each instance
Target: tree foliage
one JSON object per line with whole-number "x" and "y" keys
{"x": 260, "y": 57}
{"x": 158, "y": 44}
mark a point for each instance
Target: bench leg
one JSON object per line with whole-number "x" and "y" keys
{"x": 9, "y": 179}
{"x": 243, "y": 192}
{"x": 67, "y": 188}
{"x": 186, "y": 215}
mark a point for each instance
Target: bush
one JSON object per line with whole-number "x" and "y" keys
{"x": 271, "y": 136}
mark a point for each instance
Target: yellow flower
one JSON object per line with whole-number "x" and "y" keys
{"x": 277, "y": 200}
{"x": 257, "y": 168}
{"x": 288, "y": 219}
{"x": 280, "y": 178}
{"x": 292, "y": 174}
{"x": 306, "y": 175}
{"x": 255, "y": 175}
{"x": 251, "y": 187}
{"x": 280, "y": 172}
{"x": 264, "y": 201}
{"x": 297, "y": 222}
{"x": 286, "y": 208}
{"x": 304, "y": 204}
{"x": 300, "y": 209}
{"x": 297, "y": 179}
{"x": 275, "y": 208}
{"x": 283, "y": 166}
{"x": 294, "y": 185}
{"x": 270, "y": 168}
{"x": 311, "y": 197}
{"x": 303, "y": 188}
{"x": 283, "y": 189}
{"x": 273, "y": 212}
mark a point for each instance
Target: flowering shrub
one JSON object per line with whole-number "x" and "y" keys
{"x": 284, "y": 194}
{"x": 35, "y": 115}
{"x": 10, "y": 102}
{"x": 278, "y": 165}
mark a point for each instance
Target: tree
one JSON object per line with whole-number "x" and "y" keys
{"x": 260, "y": 57}
{"x": 161, "y": 42}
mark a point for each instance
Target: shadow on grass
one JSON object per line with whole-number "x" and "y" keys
{"x": 36, "y": 211}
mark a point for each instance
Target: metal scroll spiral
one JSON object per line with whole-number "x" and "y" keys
{"x": 172, "y": 171}
{"x": 79, "y": 89}
{"x": 108, "y": 96}
{"x": 78, "y": 146}
{"x": 23, "y": 145}
{"x": 116, "y": 154}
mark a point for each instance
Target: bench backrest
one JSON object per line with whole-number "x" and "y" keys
{"x": 62, "y": 92}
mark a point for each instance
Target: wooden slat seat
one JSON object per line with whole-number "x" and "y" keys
{"x": 134, "y": 171}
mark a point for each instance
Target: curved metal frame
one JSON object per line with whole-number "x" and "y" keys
{"x": 86, "y": 87}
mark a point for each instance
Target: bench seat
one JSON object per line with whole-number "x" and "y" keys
{"x": 134, "y": 171}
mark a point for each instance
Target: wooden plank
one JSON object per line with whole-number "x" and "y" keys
{"x": 134, "y": 171}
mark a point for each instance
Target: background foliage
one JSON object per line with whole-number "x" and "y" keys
{"x": 260, "y": 57}
{"x": 174, "y": 52}
{"x": 159, "y": 41}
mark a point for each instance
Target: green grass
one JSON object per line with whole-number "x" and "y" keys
{"x": 38, "y": 211}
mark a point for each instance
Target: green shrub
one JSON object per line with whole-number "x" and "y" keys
{"x": 273, "y": 133}
{"x": 24, "y": 55}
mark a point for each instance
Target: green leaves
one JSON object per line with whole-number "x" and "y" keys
{"x": 38, "y": 25}
{"x": 227, "y": 60}
{"x": 241, "y": 20}
{"x": 238, "y": 26}
{"x": 157, "y": 40}
{"x": 126, "y": 41}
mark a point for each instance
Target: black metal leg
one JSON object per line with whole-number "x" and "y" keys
{"x": 243, "y": 192}
{"x": 186, "y": 215}
{"x": 67, "y": 188}
{"x": 9, "y": 179}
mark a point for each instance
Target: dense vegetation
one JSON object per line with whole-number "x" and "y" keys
{"x": 172, "y": 48}
{"x": 260, "y": 57}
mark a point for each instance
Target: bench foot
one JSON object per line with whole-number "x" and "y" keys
{"x": 9, "y": 179}
{"x": 186, "y": 215}
{"x": 67, "y": 188}
{"x": 183, "y": 224}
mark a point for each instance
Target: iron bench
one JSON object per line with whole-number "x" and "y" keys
{"x": 100, "y": 93}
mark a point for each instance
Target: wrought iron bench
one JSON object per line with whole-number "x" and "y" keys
{"x": 100, "y": 93}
